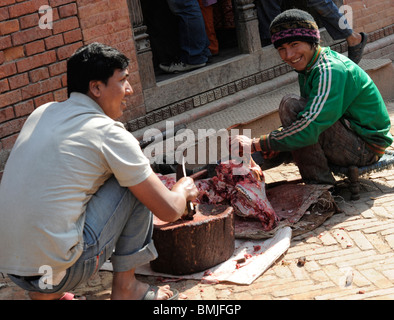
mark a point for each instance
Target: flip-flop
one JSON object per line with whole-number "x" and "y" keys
{"x": 71, "y": 296}
{"x": 355, "y": 53}
{"x": 152, "y": 291}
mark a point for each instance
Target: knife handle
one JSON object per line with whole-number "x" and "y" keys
{"x": 190, "y": 211}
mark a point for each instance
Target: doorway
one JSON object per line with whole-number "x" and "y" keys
{"x": 162, "y": 28}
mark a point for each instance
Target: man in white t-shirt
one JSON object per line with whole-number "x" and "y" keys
{"x": 77, "y": 189}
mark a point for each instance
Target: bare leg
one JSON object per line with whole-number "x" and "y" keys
{"x": 126, "y": 287}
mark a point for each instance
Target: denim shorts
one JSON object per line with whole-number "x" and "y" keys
{"x": 117, "y": 226}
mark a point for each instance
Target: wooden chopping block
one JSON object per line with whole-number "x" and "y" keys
{"x": 189, "y": 246}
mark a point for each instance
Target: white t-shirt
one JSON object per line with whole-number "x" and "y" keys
{"x": 64, "y": 153}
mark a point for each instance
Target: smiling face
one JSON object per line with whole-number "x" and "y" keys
{"x": 297, "y": 54}
{"x": 111, "y": 97}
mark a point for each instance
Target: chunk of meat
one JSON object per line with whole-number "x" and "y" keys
{"x": 240, "y": 185}
{"x": 168, "y": 179}
{"x": 207, "y": 192}
{"x": 246, "y": 191}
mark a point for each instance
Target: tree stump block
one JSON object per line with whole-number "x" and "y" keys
{"x": 189, "y": 246}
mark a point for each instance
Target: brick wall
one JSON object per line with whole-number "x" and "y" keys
{"x": 108, "y": 21}
{"x": 33, "y": 59}
{"x": 371, "y": 15}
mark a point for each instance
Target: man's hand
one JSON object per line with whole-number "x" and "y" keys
{"x": 186, "y": 187}
{"x": 167, "y": 205}
{"x": 239, "y": 144}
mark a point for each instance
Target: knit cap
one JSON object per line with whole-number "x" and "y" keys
{"x": 294, "y": 25}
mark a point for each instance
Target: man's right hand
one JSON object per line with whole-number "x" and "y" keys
{"x": 167, "y": 205}
{"x": 186, "y": 186}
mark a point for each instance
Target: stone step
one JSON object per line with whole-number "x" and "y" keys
{"x": 200, "y": 115}
{"x": 213, "y": 119}
{"x": 382, "y": 73}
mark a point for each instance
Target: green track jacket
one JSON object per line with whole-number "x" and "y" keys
{"x": 336, "y": 88}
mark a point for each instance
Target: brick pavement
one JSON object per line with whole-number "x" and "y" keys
{"x": 350, "y": 256}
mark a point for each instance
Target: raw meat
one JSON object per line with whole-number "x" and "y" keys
{"x": 206, "y": 188}
{"x": 168, "y": 179}
{"x": 245, "y": 191}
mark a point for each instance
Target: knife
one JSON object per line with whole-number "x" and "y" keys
{"x": 181, "y": 172}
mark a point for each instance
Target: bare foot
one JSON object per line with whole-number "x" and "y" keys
{"x": 354, "y": 39}
{"x": 126, "y": 287}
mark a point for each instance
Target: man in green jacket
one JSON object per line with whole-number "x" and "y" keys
{"x": 340, "y": 117}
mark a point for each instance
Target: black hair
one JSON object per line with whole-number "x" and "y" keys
{"x": 95, "y": 61}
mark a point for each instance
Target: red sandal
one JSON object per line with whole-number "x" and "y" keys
{"x": 71, "y": 296}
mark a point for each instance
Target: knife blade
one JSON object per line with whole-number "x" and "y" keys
{"x": 183, "y": 166}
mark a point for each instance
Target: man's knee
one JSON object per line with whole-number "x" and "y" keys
{"x": 290, "y": 106}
